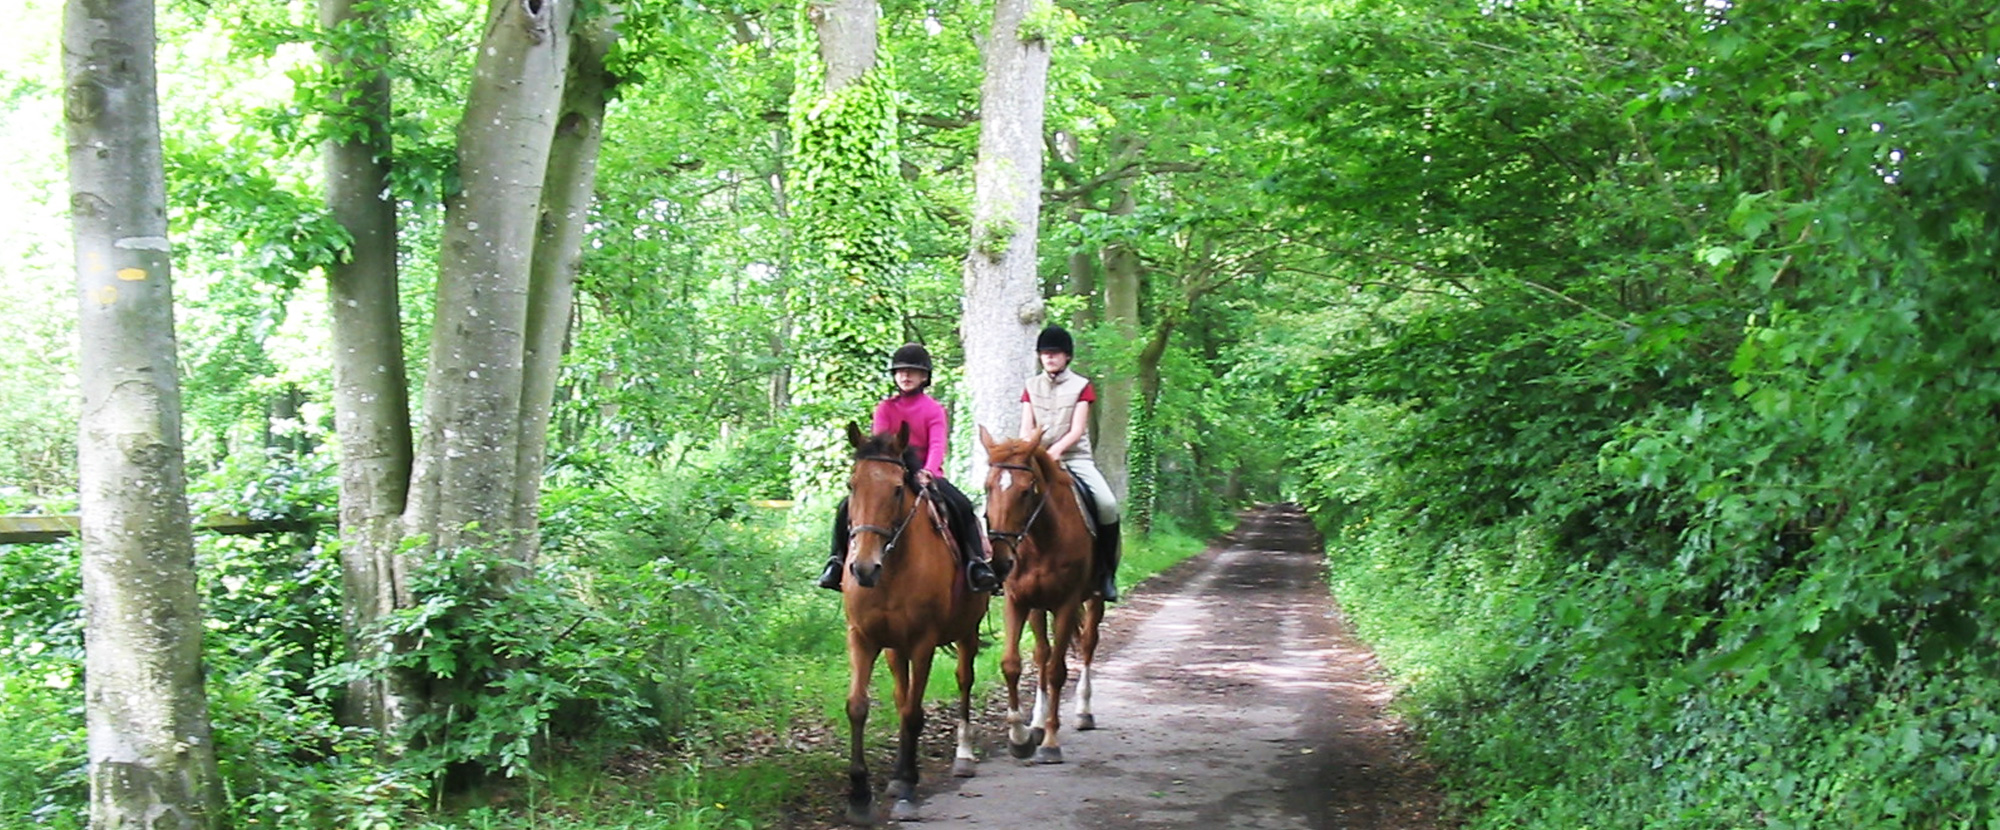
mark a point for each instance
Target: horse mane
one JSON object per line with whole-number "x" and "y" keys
{"x": 883, "y": 445}
{"x": 1058, "y": 477}
{"x": 1045, "y": 464}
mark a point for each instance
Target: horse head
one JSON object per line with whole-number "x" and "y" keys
{"x": 881, "y": 500}
{"x": 1018, "y": 477}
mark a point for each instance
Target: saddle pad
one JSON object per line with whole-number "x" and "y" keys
{"x": 1084, "y": 500}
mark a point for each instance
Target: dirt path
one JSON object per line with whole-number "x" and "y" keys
{"x": 1229, "y": 694}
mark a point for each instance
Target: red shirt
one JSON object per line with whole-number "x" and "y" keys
{"x": 1089, "y": 394}
{"x": 929, "y": 432}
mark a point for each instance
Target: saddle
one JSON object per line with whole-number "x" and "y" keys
{"x": 938, "y": 510}
{"x": 1087, "y": 500}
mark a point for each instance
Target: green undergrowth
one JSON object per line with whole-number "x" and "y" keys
{"x": 667, "y": 664}
{"x": 1744, "y": 599}
{"x": 1538, "y": 697}
{"x": 1672, "y": 507}
{"x": 745, "y": 765}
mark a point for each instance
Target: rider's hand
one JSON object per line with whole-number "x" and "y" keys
{"x": 924, "y": 478}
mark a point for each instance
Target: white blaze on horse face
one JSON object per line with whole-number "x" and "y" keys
{"x": 1006, "y": 481}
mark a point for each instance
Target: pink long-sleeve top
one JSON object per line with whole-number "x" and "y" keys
{"x": 929, "y": 430}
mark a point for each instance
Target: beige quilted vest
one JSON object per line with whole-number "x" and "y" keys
{"x": 1054, "y": 401}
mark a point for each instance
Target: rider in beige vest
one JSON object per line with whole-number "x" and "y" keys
{"x": 1057, "y": 401}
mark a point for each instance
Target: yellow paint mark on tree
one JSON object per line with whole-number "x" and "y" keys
{"x": 131, "y": 274}
{"x": 105, "y": 295}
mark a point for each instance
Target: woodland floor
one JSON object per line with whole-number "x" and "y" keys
{"x": 1229, "y": 694}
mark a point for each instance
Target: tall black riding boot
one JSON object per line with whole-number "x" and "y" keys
{"x": 979, "y": 571}
{"x": 958, "y": 513}
{"x": 830, "y": 577}
{"x": 836, "y": 561}
{"x": 1105, "y": 553}
{"x": 979, "y": 574}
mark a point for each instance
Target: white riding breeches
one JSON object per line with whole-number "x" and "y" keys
{"x": 1085, "y": 469}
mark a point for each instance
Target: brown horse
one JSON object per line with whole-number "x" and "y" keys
{"x": 1032, "y": 510}
{"x": 905, "y": 595}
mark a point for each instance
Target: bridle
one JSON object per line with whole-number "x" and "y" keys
{"x": 1013, "y": 538}
{"x": 892, "y": 535}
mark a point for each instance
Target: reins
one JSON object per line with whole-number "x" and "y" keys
{"x": 896, "y": 534}
{"x": 1013, "y": 538}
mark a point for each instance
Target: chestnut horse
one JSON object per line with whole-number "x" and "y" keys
{"x": 1032, "y": 510}
{"x": 904, "y": 594}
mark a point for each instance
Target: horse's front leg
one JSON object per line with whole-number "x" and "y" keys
{"x": 1054, "y": 662}
{"x": 860, "y": 667}
{"x": 963, "y": 763}
{"x": 1019, "y": 743}
{"x": 1086, "y": 649}
{"x": 913, "y": 670}
{"x": 1038, "y": 626}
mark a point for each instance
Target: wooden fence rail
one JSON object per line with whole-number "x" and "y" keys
{"x": 32, "y": 529}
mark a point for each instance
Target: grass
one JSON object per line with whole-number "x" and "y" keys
{"x": 752, "y": 732}
{"x": 749, "y": 769}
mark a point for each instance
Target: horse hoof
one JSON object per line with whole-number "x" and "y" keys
{"x": 1048, "y": 755}
{"x": 1023, "y": 751}
{"x": 1085, "y": 723}
{"x": 901, "y": 790}
{"x": 861, "y": 815}
{"x": 964, "y": 768}
{"x": 905, "y": 810}
{"x": 1036, "y": 735}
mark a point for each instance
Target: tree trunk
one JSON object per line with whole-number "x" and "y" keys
{"x": 848, "y": 38}
{"x": 1113, "y": 437}
{"x": 1081, "y": 265}
{"x": 566, "y": 198}
{"x": 845, "y": 296}
{"x": 370, "y": 382}
{"x": 151, "y": 759}
{"x": 463, "y": 480}
{"x": 1145, "y": 457}
{"x": 1003, "y": 299}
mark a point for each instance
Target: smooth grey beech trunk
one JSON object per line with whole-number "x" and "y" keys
{"x": 464, "y": 480}
{"x": 566, "y": 195}
{"x": 527, "y": 156}
{"x": 1003, "y": 298}
{"x": 151, "y": 759}
{"x": 370, "y": 382}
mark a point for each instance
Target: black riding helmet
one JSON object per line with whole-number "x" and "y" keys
{"x": 912, "y": 356}
{"x": 1056, "y": 339}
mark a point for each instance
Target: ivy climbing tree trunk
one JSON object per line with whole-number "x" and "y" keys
{"x": 847, "y": 192}
{"x": 370, "y": 382}
{"x": 1003, "y": 299}
{"x": 1113, "y": 437}
{"x": 151, "y": 760}
{"x": 1080, "y": 267}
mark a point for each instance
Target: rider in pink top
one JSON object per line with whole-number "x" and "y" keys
{"x": 930, "y": 438}
{"x": 929, "y": 430}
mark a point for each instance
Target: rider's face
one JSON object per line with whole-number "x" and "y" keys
{"x": 1053, "y": 362}
{"x": 910, "y": 380}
